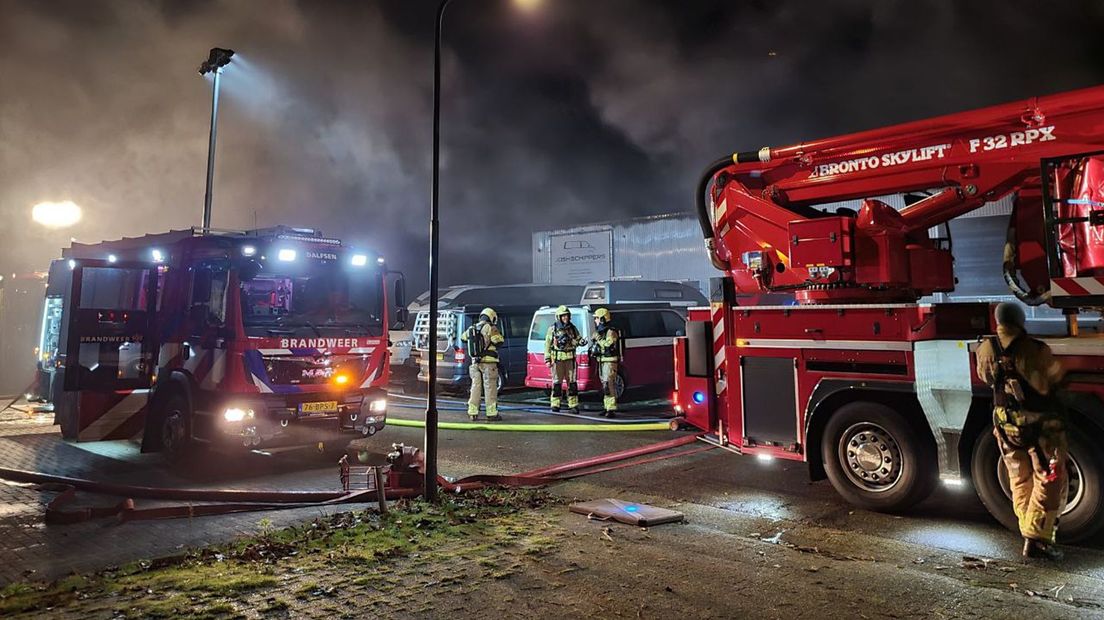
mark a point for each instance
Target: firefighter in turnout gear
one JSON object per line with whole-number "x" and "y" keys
{"x": 559, "y": 354}
{"x": 483, "y": 340}
{"x": 1029, "y": 426}
{"x": 606, "y": 349}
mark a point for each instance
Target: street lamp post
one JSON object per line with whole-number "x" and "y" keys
{"x": 434, "y": 252}
{"x": 218, "y": 59}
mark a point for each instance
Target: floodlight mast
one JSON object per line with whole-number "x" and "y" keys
{"x": 216, "y": 61}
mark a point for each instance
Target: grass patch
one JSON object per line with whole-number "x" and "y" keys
{"x": 201, "y": 583}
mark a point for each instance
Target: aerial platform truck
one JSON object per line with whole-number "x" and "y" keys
{"x": 864, "y": 380}
{"x": 253, "y": 340}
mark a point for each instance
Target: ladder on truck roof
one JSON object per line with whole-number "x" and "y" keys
{"x": 95, "y": 250}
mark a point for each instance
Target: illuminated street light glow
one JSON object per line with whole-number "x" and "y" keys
{"x": 56, "y": 214}
{"x": 111, "y": 258}
{"x": 528, "y": 5}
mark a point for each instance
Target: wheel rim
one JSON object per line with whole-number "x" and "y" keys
{"x": 871, "y": 457}
{"x": 1076, "y": 487}
{"x": 619, "y": 386}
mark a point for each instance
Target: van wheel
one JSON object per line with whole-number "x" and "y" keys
{"x": 875, "y": 458}
{"x": 1083, "y": 516}
{"x": 175, "y": 419}
{"x": 619, "y": 384}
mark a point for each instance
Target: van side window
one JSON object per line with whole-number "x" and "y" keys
{"x": 515, "y": 326}
{"x": 668, "y": 293}
{"x": 541, "y": 323}
{"x": 673, "y": 324}
{"x": 645, "y": 325}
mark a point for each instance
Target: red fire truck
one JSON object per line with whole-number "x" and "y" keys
{"x": 248, "y": 340}
{"x": 876, "y": 391}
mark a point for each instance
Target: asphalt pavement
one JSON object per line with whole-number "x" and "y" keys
{"x": 772, "y": 500}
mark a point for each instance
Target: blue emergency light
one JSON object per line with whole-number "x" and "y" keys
{"x": 699, "y": 397}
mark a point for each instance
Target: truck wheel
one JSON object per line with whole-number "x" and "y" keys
{"x": 175, "y": 420}
{"x": 1083, "y": 516}
{"x": 876, "y": 459}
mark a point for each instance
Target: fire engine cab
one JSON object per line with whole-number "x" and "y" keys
{"x": 248, "y": 340}
{"x": 867, "y": 379}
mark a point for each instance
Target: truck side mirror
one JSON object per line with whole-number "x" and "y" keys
{"x": 402, "y": 315}
{"x": 400, "y": 291}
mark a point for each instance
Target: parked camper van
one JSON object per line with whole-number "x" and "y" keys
{"x": 629, "y": 291}
{"x": 460, "y": 308}
{"x": 646, "y": 331}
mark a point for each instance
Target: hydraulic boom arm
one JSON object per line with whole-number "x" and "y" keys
{"x": 756, "y": 208}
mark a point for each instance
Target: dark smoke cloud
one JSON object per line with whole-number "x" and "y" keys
{"x": 589, "y": 111}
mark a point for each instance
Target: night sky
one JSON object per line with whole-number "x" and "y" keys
{"x": 580, "y": 111}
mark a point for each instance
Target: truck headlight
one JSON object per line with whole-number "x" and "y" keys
{"x": 236, "y": 414}
{"x": 378, "y": 406}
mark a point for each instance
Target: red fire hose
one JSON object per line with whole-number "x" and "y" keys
{"x": 230, "y": 501}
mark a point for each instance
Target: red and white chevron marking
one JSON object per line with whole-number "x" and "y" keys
{"x": 1076, "y": 287}
{"x": 112, "y": 415}
{"x": 717, "y": 312}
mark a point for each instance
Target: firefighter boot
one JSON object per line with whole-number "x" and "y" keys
{"x": 557, "y": 390}
{"x": 610, "y": 405}
{"x": 1039, "y": 550}
{"x": 573, "y": 397}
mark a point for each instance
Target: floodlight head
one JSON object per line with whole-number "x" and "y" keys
{"x": 218, "y": 59}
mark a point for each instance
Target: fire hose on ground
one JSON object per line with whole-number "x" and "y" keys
{"x": 537, "y": 410}
{"x": 541, "y": 428}
{"x": 218, "y": 501}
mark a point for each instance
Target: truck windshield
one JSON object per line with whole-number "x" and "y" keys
{"x": 328, "y": 298}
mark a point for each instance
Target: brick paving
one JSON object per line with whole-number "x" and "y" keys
{"x": 30, "y": 441}
{"x": 33, "y": 550}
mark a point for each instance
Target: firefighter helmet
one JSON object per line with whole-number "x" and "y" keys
{"x": 490, "y": 315}
{"x": 562, "y": 310}
{"x": 602, "y": 314}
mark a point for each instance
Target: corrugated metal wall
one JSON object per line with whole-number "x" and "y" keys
{"x": 662, "y": 247}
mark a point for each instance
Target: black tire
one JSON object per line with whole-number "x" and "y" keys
{"x": 174, "y": 427}
{"x": 876, "y": 459}
{"x": 619, "y": 385}
{"x": 1084, "y": 514}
